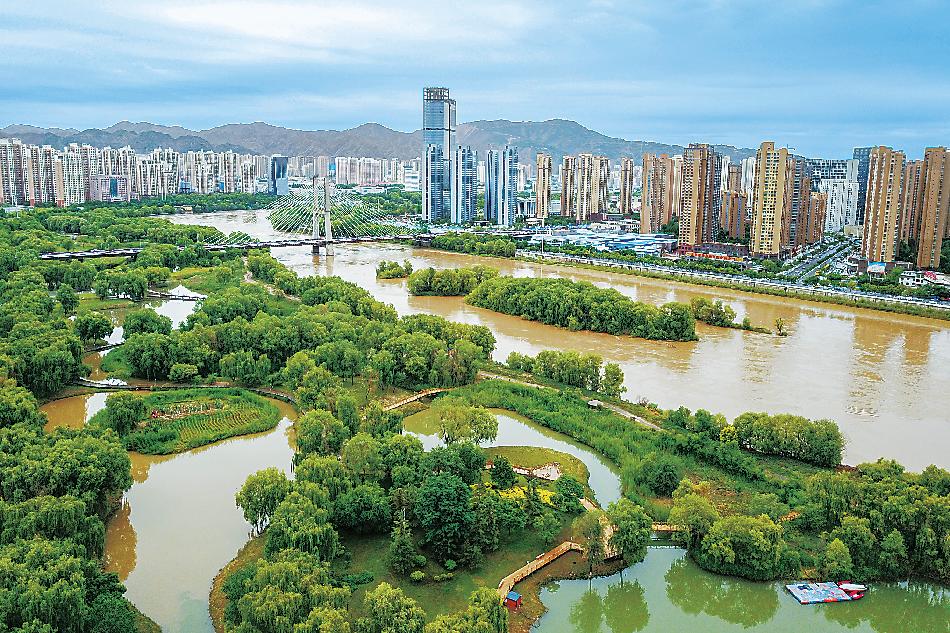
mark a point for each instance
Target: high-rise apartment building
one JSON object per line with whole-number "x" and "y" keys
{"x": 801, "y": 201}
{"x": 542, "y": 186}
{"x": 501, "y": 186}
{"x": 912, "y": 200}
{"x": 699, "y": 212}
{"x": 863, "y": 156}
{"x": 14, "y": 158}
{"x": 842, "y": 203}
{"x": 882, "y": 210}
{"x": 771, "y": 218}
{"x": 821, "y": 169}
{"x": 657, "y": 195}
{"x": 569, "y": 186}
{"x": 813, "y": 227}
{"x": 593, "y": 189}
{"x": 735, "y": 203}
{"x": 935, "y": 215}
{"x": 465, "y": 187}
{"x": 628, "y": 183}
{"x": 748, "y": 174}
{"x": 69, "y": 180}
{"x": 438, "y": 137}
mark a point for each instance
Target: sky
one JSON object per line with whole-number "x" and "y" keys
{"x": 820, "y": 76}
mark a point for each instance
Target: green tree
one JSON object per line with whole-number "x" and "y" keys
{"x": 546, "y": 526}
{"x": 738, "y": 545}
{"x": 589, "y": 531}
{"x": 68, "y": 298}
{"x": 391, "y": 611}
{"x": 633, "y": 529}
{"x": 92, "y": 326}
{"x": 146, "y": 321}
{"x": 461, "y": 422}
{"x": 612, "y": 383}
{"x": 836, "y": 561}
{"x": 361, "y": 454}
{"x": 260, "y": 495}
{"x": 780, "y": 326}
{"x": 694, "y": 514}
{"x": 892, "y": 562}
{"x": 124, "y": 411}
{"x": 446, "y": 515}
{"x": 568, "y": 494}
{"x": 502, "y": 474}
{"x": 319, "y": 432}
{"x": 402, "y": 552}
{"x": 182, "y": 372}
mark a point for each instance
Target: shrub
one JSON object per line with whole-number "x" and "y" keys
{"x": 450, "y": 564}
{"x": 417, "y": 576}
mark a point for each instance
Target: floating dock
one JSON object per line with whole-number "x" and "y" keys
{"x": 815, "y": 592}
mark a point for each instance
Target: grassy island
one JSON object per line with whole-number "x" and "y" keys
{"x": 175, "y": 421}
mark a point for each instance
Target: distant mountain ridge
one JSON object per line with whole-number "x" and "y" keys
{"x": 556, "y": 137}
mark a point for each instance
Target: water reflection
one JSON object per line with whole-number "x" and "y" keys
{"x": 730, "y": 599}
{"x": 669, "y": 593}
{"x": 896, "y": 608}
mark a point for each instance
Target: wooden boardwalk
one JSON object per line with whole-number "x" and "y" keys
{"x": 511, "y": 580}
{"x": 412, "y": 398}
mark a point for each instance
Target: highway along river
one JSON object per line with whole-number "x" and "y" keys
{"x": 882, "y": 377}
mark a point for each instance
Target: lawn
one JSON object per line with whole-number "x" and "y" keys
{"x": 533, "y": 456}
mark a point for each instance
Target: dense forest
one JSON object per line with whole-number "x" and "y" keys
{"x": 584, "y": 306}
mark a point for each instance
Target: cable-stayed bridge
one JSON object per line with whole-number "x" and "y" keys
{"x": 318, "y": 216}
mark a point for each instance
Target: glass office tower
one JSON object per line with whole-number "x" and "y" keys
{"x": 438, "y": 134}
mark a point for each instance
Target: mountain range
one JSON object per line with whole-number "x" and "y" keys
{"x": 556, "y": 137}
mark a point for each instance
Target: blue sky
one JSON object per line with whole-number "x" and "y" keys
{"x": 822, "y": 76}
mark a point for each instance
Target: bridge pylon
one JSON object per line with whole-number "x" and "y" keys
{"x": 325, "y": 212}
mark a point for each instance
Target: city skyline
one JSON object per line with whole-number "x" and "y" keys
{"x": 205, "y": 64}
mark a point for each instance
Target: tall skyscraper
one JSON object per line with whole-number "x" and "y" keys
{"x": 657, "y": 206}
{"x": 699, "y": 214}
{"x": 863, "y": 156}
{"x": 771, "y": 219}
{"x": 568, "y": 186}
{"x": 465, "y": 187}
{"x": 542, "y": 186}
{"x": 882, "y": 210}
{"x": 13, "y": 167}
{"x": 912, "y": 201}
{"x": 593, "y": 190}
{"x": 627, "y": 185}
{"x": 801, "y": 202}
{"x": 276, "y": 176}
{"x": 438, "y": 136}
{"x": 501, "y": 186}
{"x": 842, "y": 203}
{"x": 935, "y": 216}
{"x": 735, "y": 205}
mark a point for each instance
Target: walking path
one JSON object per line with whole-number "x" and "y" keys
{"x": 412, "y": 398}
{"x": 512, "y": 579}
